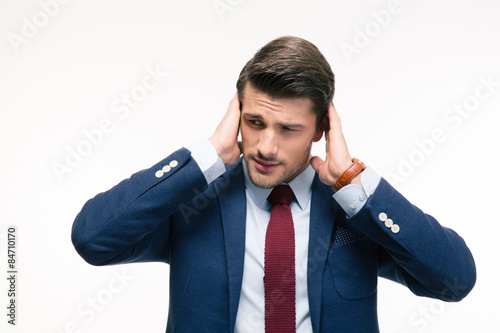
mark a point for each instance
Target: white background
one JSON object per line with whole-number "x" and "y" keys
{"x": 396, "y": 89}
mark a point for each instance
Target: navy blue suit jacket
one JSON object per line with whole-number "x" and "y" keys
{"x": 200, "y": 231}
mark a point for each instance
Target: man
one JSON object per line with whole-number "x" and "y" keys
{"x": 239, "y": 263}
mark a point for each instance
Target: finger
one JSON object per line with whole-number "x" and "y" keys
{"x": 327, "y": 140}
{"x": 327, "y": 120}
{"x": 316, "y": 163}
{"x": 234, "y": 105}
{"x": 337, "y": 146}
{"x": 335, "y": 123}
{"x": 231, "y": 121}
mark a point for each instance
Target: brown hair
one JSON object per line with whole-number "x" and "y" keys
{"x": 290, "y": 67}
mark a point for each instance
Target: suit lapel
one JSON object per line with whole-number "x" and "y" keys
{"x": 232, "y": 203}
{"x": 323, "y": 209}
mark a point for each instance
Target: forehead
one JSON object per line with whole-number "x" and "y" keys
{"x": 259, "y": 103}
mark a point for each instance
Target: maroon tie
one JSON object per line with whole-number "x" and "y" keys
{"x": 279, "y": 263}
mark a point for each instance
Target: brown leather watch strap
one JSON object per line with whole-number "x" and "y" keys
{"x": 345, "y": 178}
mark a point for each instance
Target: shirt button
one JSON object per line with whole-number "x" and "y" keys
{"x": 210, "y": 174}
{"x": 362, "y": 197}
{"x": 173, "y": 164}
{"x": 353, "y": 206}
{"x": 395, "y": 228}
{"x": 159, "y": 174}
{"x": 382, "y": 216}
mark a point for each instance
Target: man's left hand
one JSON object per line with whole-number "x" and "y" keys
{"x": 337, "y": 158}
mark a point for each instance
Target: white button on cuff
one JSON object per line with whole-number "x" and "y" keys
{"x": 166, "y": 169}
{"x": 389, "y": 223}
{"x": 395, "y": 228}
{"x": 353, "y": 206}
{"x": 382, "y": 217}
{"x": 362, "y": 197}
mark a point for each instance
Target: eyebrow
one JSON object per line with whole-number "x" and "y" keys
{"x": 257, "y": 116}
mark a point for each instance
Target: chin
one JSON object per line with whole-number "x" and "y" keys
{"x": 263, "y": 181}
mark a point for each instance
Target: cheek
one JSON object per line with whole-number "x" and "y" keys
{"x": 248, "y": 135}
{"x": 296, "y": 148}
{"x": 296, "y": 143}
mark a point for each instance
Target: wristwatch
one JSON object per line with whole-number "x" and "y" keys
{"x": 352, "y": 171}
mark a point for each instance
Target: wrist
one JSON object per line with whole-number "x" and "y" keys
{"x": 216, "y": 146}
{"x": 357, "y": 180}
{"x": 351, "y": 175}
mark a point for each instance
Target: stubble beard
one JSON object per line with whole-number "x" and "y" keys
{"x": 265, "y": 181}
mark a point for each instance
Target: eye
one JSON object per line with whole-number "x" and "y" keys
{"x": 286, "y": 128}
{"x": 255, "y": 122}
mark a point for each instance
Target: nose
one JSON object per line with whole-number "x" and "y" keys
{"x": 268, "y": 143}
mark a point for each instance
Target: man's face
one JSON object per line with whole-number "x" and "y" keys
{"x": 277, "y": 136}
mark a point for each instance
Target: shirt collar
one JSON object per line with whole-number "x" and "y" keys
{"x": 301, "y": 186}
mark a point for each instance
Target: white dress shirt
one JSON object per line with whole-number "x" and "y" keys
{"x": 250, "y": 315}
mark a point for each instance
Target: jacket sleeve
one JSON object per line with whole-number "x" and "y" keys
{"x": 131, "y": 221}
{"x": 416, "y": 251}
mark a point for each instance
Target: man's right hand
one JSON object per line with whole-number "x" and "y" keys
{"x": 225, "y": 138}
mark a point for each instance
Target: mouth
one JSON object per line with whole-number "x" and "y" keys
{"x": 265, "y": 166}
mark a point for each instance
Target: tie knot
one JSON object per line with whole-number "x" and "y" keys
{"x": 281, "y": 194}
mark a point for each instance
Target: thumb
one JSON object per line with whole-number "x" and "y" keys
{"x": 316, "y": 163}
